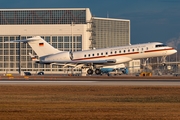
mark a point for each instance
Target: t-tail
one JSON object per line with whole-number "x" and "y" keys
{"x": 40, "y": 46}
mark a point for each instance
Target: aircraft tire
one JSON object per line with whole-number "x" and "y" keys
{"x": 98, "y": 71}
{"x": 90, "y": 71}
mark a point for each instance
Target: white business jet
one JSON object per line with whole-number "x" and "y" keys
{"x": 96, "y": 58}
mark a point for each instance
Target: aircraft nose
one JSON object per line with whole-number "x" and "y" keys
{"x": 173, "y": 51}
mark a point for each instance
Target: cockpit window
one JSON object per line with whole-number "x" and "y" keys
{"x": 161, "y": 45}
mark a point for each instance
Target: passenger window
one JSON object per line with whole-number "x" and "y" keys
{"x": 147, "y": 48}
{"x": 133, "y": 50}
{"x": 111, "y": 52}
{"x": 89, "y": 55}
{"x": 84, "y": 55}
{"x": 106, "y": 53}
{"x": 101, "y": 53}
{"x": 115, "y": 52}
{"x": 119, "y": 51}
{"x": 124, "y": 51}
{"x": 97, "y": 54}
{"x": 128, "y": 50}
{"x": 92, "y": 54}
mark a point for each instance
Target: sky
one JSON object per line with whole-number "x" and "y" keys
{"x": 150, "y": 20}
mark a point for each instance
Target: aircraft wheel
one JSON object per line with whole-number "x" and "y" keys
{"x": 98, "y": 71}
{"x": 90, "y": 71}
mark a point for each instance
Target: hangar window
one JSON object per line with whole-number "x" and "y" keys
{"x": 60, "y": 45}
{"x": 66, "y": 38}
{"x": 1, "y": 39}
{"x": 54, "y": 45}
{"x": 54, "y": 38}
{"x": 52, "y": 17}
{"x": 60, "y": 38}
{"x": 47, "y": 38}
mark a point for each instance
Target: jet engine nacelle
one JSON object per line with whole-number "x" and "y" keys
{"x": 62, "y": 56}
{"x": 123, "y": 59}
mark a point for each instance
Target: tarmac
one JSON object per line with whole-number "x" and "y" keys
{"x": 87, "y": 78}
{"x": 91, "y": 80}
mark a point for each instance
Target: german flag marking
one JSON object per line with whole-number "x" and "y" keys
{"x": 41, "y": 44}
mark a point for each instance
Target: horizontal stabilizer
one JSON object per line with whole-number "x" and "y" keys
{"x": 25, "y": 40}
{"x": 33, "y": 58}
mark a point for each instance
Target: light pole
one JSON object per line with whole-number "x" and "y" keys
{"x": 176, "y": 62}
{"x": 19, "y": 55}
{"x": 72, "y": 24}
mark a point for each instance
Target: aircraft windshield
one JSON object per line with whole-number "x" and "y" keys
{"x": 161, "y": 45}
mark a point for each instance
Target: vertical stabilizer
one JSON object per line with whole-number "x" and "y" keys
{"x": 41, "y": 47}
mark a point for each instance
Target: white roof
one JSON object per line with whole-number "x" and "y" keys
{"x": 110, "y": 19}
{"x": 44, "y": 9}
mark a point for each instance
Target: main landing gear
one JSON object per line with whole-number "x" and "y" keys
{"x": 98, "y": 71}
{"x": 90, "y": 71}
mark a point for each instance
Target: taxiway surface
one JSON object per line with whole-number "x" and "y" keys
{"x": 109, "y": 82}
{"x": 91, "y": 80}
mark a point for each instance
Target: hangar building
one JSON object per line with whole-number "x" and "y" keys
{"x": 57, "y": 26}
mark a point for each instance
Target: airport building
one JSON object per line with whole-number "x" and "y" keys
{"x": 108, "y": 32}
{"x": 67, "y": 29}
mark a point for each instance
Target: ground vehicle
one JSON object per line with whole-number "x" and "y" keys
{"x": 115, "y": 72}
{"x": 40, "y": 73}
{"x": 144, "y": 74}
{"x": 27, "y": 73}
{"x": 176, "y": 74}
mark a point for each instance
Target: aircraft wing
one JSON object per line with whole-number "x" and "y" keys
{"x": 80, "y": 61}
{"x": 77, "y": 64}
{"x": 94, "y": 61}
